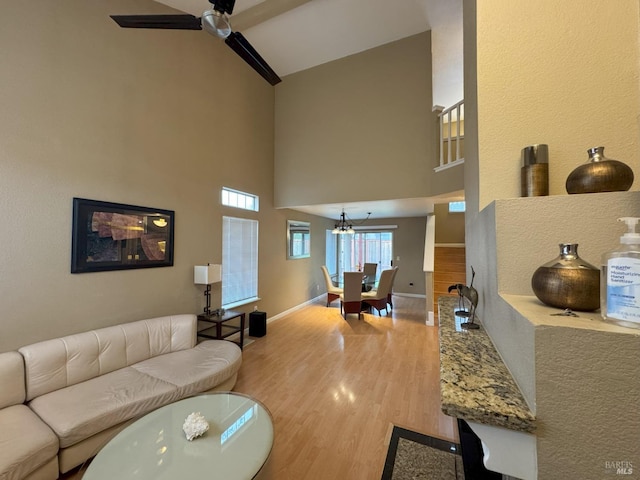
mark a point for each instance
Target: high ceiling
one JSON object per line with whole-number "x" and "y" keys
{"x": 294, "y": 35}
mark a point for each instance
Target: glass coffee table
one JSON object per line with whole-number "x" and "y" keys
{"x": 236, "y": 446}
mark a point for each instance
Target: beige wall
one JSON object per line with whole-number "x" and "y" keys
{"x": 154, "y": 118}
{"x": 560, "y": 73}
{"x": 587, "y": 402}
{"x": 345, "y": 128}
{"x": 408, "y": 244}
{"x": 449, "y": 226}
{"x": 528, "y": 79}
{"x": 446, "y": 39}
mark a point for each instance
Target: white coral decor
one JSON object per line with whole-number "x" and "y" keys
{"x": 195, "y": 425}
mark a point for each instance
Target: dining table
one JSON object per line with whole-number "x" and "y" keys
{"x": 368, "y": 281}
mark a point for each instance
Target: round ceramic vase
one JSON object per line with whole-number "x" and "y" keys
{"x": 568, "y": 281}
{"x": 600, "y": 174}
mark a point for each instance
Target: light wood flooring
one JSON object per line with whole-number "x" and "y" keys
{"x": 335, "y": 387}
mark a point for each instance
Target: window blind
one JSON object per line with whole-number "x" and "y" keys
{"x": 239, "y": 260}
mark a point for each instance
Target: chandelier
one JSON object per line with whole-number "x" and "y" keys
{"x": 342, "y": 226}
{"x": 345, "y": 224}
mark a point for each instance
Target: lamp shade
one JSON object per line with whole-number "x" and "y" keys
{"x": 207, "y": 274}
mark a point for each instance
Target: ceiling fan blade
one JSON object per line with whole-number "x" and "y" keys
{"x": 225, "y": 6}
{"x": 176, "y": 22}
{"x": 242, "y": 47}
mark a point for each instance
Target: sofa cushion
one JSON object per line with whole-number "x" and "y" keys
{"x": 26, "y": 442}
{"x": 195, "y": 370}
{"x": 61, "y": 362}
{"x": 82, "y": 410}
{"x": 12, "y": 390}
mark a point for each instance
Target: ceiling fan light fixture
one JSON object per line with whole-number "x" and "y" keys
{"x": 216, "y": 23}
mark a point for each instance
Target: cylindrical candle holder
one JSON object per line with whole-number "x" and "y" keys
{"x": 534, "y": 174}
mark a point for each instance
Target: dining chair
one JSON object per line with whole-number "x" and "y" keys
{"x": 333, "y": 292}
{"x": 351, "y": 298}
{"x": 378, "y": 298}
{"x": 370, "y": 269}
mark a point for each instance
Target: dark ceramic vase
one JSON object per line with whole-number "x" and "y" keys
{"x": 600, "y": 174}
{"x": 568, "y": 281}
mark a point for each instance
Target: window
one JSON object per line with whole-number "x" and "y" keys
{"x": 238, "y": 199}
{"x": 364, "y": 247}
{"x": 300, "y": 244}
{"x": 331, "y": 252}
{"x": 239, "y": 261}
{"x": 457, "y": 207}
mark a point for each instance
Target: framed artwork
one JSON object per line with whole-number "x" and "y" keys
{"x": 115, "y": 236}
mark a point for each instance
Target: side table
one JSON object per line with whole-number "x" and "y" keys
{"x": 221, "y": 328}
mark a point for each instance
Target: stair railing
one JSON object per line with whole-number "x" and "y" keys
{"x": 451, "y": 142}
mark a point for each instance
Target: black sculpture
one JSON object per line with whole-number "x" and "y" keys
{"x": 471, "y": 294}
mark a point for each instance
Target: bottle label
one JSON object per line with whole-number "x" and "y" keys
{"x": 623, "y": 289}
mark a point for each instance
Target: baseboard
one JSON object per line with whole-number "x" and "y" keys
{"x": 412, "y": 295}
{"x": 297, "y": 307}
{"x": 236, "y": 336}
{"x": 430, "y": 319}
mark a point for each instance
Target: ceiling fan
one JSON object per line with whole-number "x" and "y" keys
{"x": 216, "y": 22}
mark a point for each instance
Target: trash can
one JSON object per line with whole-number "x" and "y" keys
{"x": 257, "y": 324}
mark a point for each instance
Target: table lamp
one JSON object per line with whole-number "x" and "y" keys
{"x": 206, "y": 275}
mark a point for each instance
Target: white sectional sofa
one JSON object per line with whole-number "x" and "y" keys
{"x": 28, "y": 447}
{"x": 84, "y": 388}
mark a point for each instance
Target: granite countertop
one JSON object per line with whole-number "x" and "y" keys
{"x": 475, "y": 384}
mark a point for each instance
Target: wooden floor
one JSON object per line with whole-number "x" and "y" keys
{"x": 335, "y": 388}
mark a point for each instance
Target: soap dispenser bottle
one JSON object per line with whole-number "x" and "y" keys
{"x": 620, "y": 287}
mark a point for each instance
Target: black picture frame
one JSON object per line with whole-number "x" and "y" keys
{"x": 115, "y": 236}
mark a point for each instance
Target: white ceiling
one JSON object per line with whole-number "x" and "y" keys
{"x": 294, "y": 35}
{"x": 408, "y": 207}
